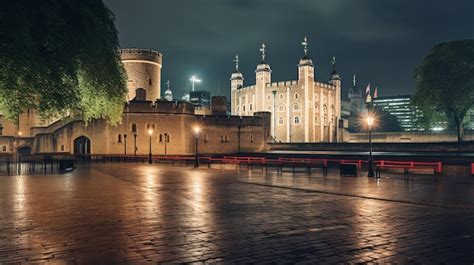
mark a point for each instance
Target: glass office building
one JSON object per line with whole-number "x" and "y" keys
{"x": 401, "y": 108}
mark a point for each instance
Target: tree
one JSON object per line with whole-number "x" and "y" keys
{"x": 445, "y": 82}
{"x": 60, "y": 56}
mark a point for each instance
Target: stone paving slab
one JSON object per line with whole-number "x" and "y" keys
{"x": 134, "y": 213}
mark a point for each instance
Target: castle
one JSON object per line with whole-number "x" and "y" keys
{"x": 165, "y": 126}
{"x": 303, "y": 110}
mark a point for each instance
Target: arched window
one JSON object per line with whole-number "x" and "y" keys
{"x": 316, "y": 120}
{"x": 296, "y": 107}
{"x": 251, "y": 138}
{"x": 161, "y": 138}
{"x": 4, "y": 148}
{"x": 243, "y": 107}
{"x": 316, "y": 107}
{"x": 149, "y": 81}
{"x": 134, "y": 127}
{"x": 119, "y": 140}
{"x": 325, "y": 109}
{"x": 333, "y": 110}
{"x": 325, "y": 120}
{"x": 297, "y": 120}
{"x": 296, "y": 96}
{"x": 281, "y": 95}
{"x": 280, "y": 120}
{"x": 167, "y": 137}
{"x": 250, "y": 107}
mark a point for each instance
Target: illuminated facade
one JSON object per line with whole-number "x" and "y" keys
{"x": 303, "y": 110}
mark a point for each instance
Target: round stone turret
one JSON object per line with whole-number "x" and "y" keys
{"x": 263, "y": 67}
{"x": 143, "y": 67}
{"x": 305, "y": 61}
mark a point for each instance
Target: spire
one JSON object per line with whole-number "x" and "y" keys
{"x": 305, "y": 44}
{"x": 168, "y": 83}
{"x": 262, "y": 50}
{"x": 353, "y": 81}
{"x": 333, "y": 62}
{"x": 236, "y": 61}
{"x": 334, "y": 74}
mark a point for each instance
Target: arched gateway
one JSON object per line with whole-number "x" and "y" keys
{"x": 82, "y": 146}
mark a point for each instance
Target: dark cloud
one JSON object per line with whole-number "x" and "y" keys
{"x": 380, "y": 41}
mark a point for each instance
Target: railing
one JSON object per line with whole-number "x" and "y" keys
{"x": 33, "y": 164}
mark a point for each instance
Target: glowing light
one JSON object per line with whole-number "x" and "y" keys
{"x": 197, "y": 130}
{"x": 370, "y": 121}
{"x": 150, "y": 131}
{"x": 20, "y": 133}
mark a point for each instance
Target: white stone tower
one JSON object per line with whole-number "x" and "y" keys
{"x": 236, "y": 82}
{"x": 306, "y": 78}
{"x": 263, "y": 76}
{"x": 143, "y": 69}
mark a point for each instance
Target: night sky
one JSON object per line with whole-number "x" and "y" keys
{"x": 380, "y": 41}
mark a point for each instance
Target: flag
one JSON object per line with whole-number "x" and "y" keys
{"x": 376, "y": 94}
{"x": 367, "y": 90}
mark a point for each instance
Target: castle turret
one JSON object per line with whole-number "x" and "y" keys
{"x": 335, "y": 80}
{"x": 143, "y": 69}
{"x": 355, "y": 96}
{"x": 305, "y": 66}
{"x": 263, "y": 76}
{"x": 236, "y": 82}
{"x": 168, "y": 93}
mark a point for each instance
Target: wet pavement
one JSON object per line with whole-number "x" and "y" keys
{"x": 133, "y": 213}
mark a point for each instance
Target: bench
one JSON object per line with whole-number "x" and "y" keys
{"x": 302, "y": 163}
{"x": 407, "y": 167}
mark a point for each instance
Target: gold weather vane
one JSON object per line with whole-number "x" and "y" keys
{"x": 236, "y": 61}
{"x": 305, "y": 44}
{"x": 262, "y": 50}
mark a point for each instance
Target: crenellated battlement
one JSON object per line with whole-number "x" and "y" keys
{"x": 140, "y": 54}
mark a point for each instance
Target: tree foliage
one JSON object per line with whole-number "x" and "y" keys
{"x": 445, "y": 82}
{"x": 59, "y": 56}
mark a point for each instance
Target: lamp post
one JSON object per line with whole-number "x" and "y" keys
{"x": 370, "y": 122}
{"x": 197, "y": 130}
{"x": 134, "y": 144}
{"x": 274, "y": 92}
{"x": 150, "y": 132}
{"x": 125, "y": 144}
{"x": 166, "y": 140}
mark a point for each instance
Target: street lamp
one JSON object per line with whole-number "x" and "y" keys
{"x": 193, "y": 80}
{"x": 150, "y": 132}
{"x": 125, "y": 144}
{"x": 197, "y": 130}
{"x": 166, "y": 140}
{"x": 370, "y": 121}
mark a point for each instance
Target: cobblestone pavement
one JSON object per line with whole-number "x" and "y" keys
{"x": 133, "y": 213}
